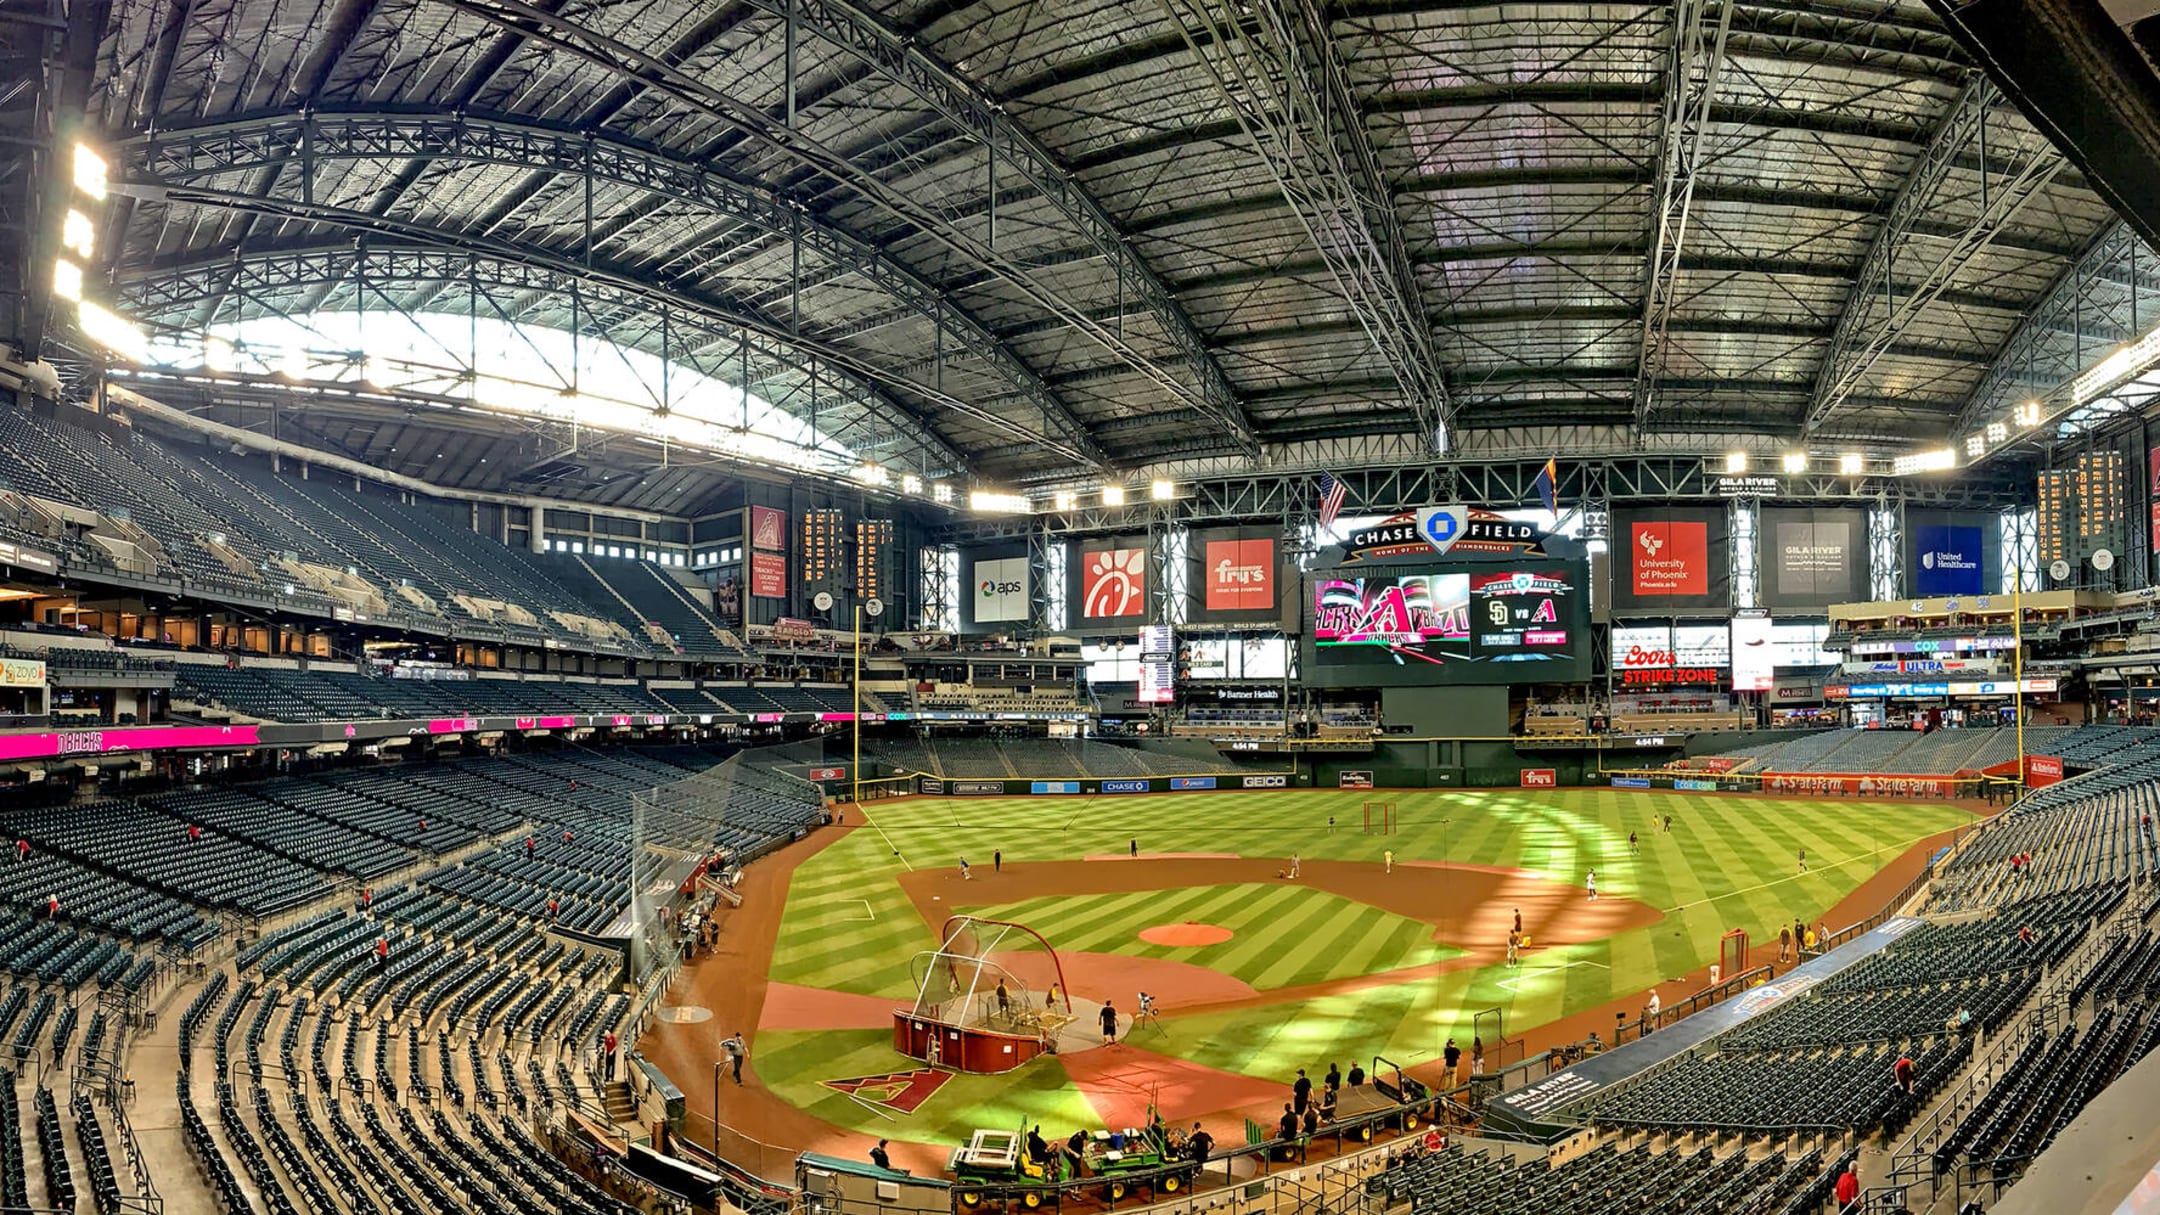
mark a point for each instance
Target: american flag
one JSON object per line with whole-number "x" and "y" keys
{"x": 1332, "y": 493}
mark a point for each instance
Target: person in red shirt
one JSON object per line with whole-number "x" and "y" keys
{"x": 22, "y": 850}
{"x": 607, "y": 1048}
{"x": 553, "y": 907}
{"x": 194, "y": 833}
{"x": 1903, "y": 1071}
{"x": 1848, "y": 1188}
{"x": 52, "y": 906}
{"x": 566, "y": 835}
{"x": 382, "y": 952}
{"x": 530, "y": 844}
{"x": 367, "y": 899}
{"x": 2025, "y": 935}
{"x": 423, "y": 826}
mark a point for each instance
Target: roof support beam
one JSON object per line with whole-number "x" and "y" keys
{"x": 1280, "y": 77}
{"x": 1201, "y": 387}
{"x": 1693, "y": 61}
{"x": 1874, "y": 316}
{"x": 188, "y": 153}
{"x": 2104, "y": 299}
{"x": 555, "y": 273}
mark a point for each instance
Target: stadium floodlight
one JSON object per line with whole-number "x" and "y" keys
{"x": 1735, "y": 462}
{"x": 219, "y": 354}
{"x": 1997, "y": 432}
{"x": 67, "y": 280}
{"x": 1975, "y": 446}
{"x": 78, "y": 234}
{"x": 993, "y": 503}
{"x": 90, "y": 172}
{"x": 1064, "y": 500}
{"x": 1936, "y": 460}
{"x": 941, "y": 493}
{"x": 2028, "y": 414}
{"x": 910, "y": 484}
{"x": 376, "y": 372}
{"x": 872, "y": 474}
{"x": 113, "y": 331}
{"x": 1163, "y": 491}
{"x": 1113, "y": 495}
{"x": 1851, "y": 464}
{"x": 1796, "y": 461}
{"x": 294, "y": 363}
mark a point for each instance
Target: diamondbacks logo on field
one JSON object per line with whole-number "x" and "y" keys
{"x": 1114, "y": 584}
{"x": 902, "y": 1092}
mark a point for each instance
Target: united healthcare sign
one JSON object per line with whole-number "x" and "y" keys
{"x": 1946, "y": 561}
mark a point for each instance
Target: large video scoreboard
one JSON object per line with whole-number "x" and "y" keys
{"x": 1515, "y": 622}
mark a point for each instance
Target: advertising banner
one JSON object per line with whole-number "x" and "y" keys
{"x": 1630, "y": 782}
{"x": 768, "y": 529}
{"x": 1237, "y": 576}
{"x": 1124, "y": 786}
{"x": 1688, "y": 785}
{"x": 1948, "y": 560}
{"x": 1540, "y": 778}
{"x": 22, "y": 672}
{"x": 2043, "y": 770}
{"x": 1812, "y": 558}
{"x": 1001, "y": 590}
{"x": 1754, "y": 659}
{"x": 768, "y": 576}
{"x": 929, "y": 784}
{"x": 1865, "y": 786}
{"x": 1671, "y": 558}
{"x": 978, "y": 788}
{"x": 1054, "y": 786}
{"x": 1192, "y": 782}
{"x": 1267, "y": 782}
{"x": 1354, "y": 780}
{"x": 1718, "y": 764}
{"x": 828, "y": 774}
{"x": 1109, "y": 581}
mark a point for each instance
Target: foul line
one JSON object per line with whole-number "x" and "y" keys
{"x": 1525, "y": 973}
{"x": 870, "y": 913}
{"x": 1895, "y": 850}
{"x": 874, "y": 826}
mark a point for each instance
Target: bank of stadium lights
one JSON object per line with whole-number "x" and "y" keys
{"x": 990, "y": 502}
{"x": 1064, "y": 501}
{"x": 1735, "y": 463}
{"x": 2027, "y": 415}
{"x": 911, "y": 484}
{"x": 67, "y": 281}
{"x": 2129, "y": 361}
{"x": 1975, "y": 446}
{"x": 1997, "y": 432}
{"x": 1937, "y": 460}
{"x": 874, "y": 475}
{"x": 1851, "y": 464}
{"x": 78, "y": 243}
{"x": 1162, "y": 491}
{"x": 90, "y": 172}
{"x": 941, "y": 493}
{"x": 112, "y": 331}
{"x": 1795, "y": 462}
{"x": 1113, "y": 495}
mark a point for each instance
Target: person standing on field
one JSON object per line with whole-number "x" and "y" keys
{"x": 997, "y": 860}
{"x": 1591, "y": 883}
{"x": 1387, "y": 860}
{"x": 1109, "y": 1022}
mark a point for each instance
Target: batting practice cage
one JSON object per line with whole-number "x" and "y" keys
{"x": 989, "y": 998}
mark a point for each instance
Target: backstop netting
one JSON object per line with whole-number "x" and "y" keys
{"x": 689, "y": 840}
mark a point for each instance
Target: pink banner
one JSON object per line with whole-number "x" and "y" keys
{"x": 102, "y": 742}
{"x": 453, "y": 725}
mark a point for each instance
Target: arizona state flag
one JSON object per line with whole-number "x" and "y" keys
{"x": 1548, "y": 489}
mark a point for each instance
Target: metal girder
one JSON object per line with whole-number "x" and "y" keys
{"x": 1275, "y": 64}
{"x": 187, "y": 153}
{"x": 1209, "y": 393}
{"x": 1874, "y": 316}
{"x": 156, "y": 290}
{"x": 1693, "y": 61}
{"x": 2100, "y": 301}
{"x": 1498, "y": 484}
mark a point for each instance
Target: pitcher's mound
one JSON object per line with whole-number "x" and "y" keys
{"x": 1187, "y": 934}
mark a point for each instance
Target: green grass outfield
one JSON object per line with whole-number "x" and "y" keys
{"x": 1729, "y": 863}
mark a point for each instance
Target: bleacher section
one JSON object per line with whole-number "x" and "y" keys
{"x": 311, "y": 1075}
{"x": 227, "y": 527}
{"x": 1911, "y": 753}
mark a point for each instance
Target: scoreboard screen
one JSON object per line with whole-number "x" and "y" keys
{"x": 1486, "y": 624}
